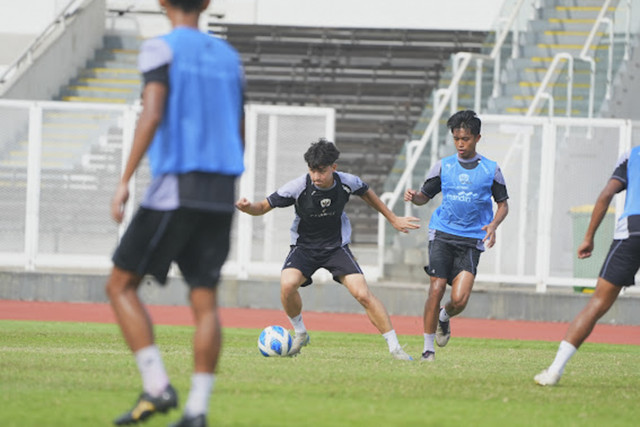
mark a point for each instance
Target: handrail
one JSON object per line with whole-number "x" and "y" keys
{"x": 27, "y": 55}
{"x": 590, "y": 60}
{"x": 542, "y": 90}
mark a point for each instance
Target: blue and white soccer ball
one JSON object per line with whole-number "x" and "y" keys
{"x": 274, "y": 341}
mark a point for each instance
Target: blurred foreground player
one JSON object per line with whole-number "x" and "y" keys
{"x": 191, "y": 129}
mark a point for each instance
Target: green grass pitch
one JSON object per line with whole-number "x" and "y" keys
{"x": 80, "y": 374}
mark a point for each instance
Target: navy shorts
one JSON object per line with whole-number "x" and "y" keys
{"x": 198, "y": 241}
{"x": 448, "y": 259}
{"x": 622, "y": 262}
{"x": 339, "y": 262}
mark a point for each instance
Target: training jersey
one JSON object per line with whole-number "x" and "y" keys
{"x": 197, "y": 150}
{"x": 627, "y": 171}
{"x": 467, "y": 186}
{"x": 320, "y": 221}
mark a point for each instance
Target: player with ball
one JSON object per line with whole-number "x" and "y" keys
{"x": 321, "y": 234}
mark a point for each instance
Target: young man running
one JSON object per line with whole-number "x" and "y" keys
{"x": 620, "y": 265}
{"x": 460, "y": 226}
{"x": 321, "y": 234}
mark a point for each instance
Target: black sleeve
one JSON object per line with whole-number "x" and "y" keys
{"x": 499, "y": 192}
{"x": 620, "y": 173}
{"x": 160, "y": 75}
{"x": 432, "y": 186}
{"x": 277, "y": 201}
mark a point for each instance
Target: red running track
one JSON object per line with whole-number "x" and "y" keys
{"x": 334, "y": 322}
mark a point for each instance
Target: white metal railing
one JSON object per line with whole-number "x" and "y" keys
{"x": 584, "y": 54}
{"x": 28, "y": 55}
{"x": 548, "y": 78}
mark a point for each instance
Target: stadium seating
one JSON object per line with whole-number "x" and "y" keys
{"x": 378, "y": 80}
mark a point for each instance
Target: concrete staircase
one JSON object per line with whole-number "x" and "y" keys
{"x": 560, "y": 26}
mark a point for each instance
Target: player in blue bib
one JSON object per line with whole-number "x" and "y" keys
{"x": 191, "y": 129}
{"x": 619, "y": 267}
{"x": 320, "y": 237}
{"x": 460, "y": 227}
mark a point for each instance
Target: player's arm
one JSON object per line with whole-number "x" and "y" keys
{"x": 500, "y": 215}
{"x": 255, "y": 208}
{"x": 154, "y": 96}
{"x": 400, "y": 223}
{"x": 613, "y": 187}
{"x": 432, "y": 186}
{"x": 416, "y": 197}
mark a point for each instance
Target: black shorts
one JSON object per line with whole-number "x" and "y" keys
{"x": 622, "y": 262}
{"x": 339, "y": 262}
{"x": 448, "y": 259}
{"x": 197, "y": 240}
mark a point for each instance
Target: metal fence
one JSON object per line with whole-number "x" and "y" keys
{"x": 60, "y": 163}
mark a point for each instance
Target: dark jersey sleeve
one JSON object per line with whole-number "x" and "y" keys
{"x": 620, "y": 172}
{"x": 277, "y": 201}
{"x": 433, "y": 184}
{"x": 499, "y": 187}
{"x": 160, "y": 75}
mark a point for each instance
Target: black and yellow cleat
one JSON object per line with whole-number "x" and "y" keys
{"x": 148, "y": 405}
{"x": 197, "y": 421}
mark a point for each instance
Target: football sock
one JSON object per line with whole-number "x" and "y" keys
{"x": 565, "y": 351}
{"x": 392, "y": 339}
{"x": 444, "y": 316}
{"x": 428, "y": 343}
{"x": 154, "y": 376}
{"x": 298, "y": 324}
{"x": 201, "y": 388}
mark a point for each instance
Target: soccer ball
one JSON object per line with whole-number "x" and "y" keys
{"x": 274, "y": 341}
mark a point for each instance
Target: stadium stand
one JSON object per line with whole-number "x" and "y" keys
{"x": 378, "y": 81}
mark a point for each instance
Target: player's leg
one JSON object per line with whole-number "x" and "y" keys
{"x": 377, "y": 313}
{"x": 207, "y": 342}
{"x": 600, "y": 302}
{"x": 460, "y": 293}
{"x": 200, "y": 262}
{"x": 290, "y": 281}
{"x": 437, "y": 287}
{"x": 441, "y": 258}
{"x": 357, "y": 286}
{"x": 579, "y": 329}
{"x": 131, "y": 315}
{"x": 134, "y": 254}
{"x": 465, "y": 265}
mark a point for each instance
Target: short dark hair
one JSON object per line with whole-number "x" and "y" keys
{"x": 466, "y": 119}
{"x": 320, "y": 154}
{"x": 187, "y": 5}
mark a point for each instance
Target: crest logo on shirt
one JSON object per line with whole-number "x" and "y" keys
{"x": 463, "y": 178}
{"x": 325, "y": 203}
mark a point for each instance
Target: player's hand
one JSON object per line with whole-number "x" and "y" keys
{"x": 409, "y": 195}
{"x": 118, "y": 202}
{"x": 406, "y": 223}
{"x": 490, "y": 238}
{"x": 585, "y": 249}
{"x": 243, "y": 204}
